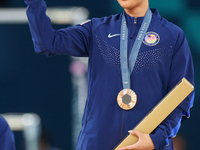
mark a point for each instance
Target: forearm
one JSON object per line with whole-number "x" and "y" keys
{"x": 167, "y": 129}
{"x": 171, "y": 125}
{"x": 68, "y": 41}
{"x": 40, "y": 25}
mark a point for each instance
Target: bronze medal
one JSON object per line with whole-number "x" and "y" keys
{"x": 127, "y": 99}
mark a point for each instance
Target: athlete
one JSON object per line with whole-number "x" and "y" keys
{"x": 136, "y": 50}
{"x": 7, "y": 141}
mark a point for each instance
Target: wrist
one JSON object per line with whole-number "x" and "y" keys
{"x": 158, "y": 138}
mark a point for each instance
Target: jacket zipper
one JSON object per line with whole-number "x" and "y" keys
{"x": 135, "y": 20}
{"x": 122, "y": 125}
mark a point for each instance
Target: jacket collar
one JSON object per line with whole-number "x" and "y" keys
{"x": 130, "y": 20}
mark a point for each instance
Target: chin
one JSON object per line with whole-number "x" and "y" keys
{"x": 131, "y": 4}
{"x": 126, "y": 4}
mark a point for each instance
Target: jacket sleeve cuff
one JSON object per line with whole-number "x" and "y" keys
{"x": 159, "y": 138}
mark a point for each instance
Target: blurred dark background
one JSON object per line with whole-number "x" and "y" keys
{"x": 35, "y": 83}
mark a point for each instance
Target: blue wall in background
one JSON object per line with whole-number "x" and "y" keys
{"x": 35, "y": 83}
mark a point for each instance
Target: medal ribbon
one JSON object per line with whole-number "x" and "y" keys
{"x": 126, "y": 71}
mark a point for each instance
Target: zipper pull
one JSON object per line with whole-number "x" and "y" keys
{"x": 135, "y": 20}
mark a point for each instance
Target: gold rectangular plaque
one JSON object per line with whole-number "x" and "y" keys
{"x": 160, "y": 111}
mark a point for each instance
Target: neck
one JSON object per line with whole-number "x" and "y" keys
{"x": 139, "y": 11}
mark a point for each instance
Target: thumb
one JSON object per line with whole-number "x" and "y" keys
{"x": 136, "y": 133}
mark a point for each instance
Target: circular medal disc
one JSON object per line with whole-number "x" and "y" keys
{"x": 127, "y": 99}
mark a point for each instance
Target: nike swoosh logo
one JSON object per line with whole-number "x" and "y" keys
{"x": 110, "y": 36}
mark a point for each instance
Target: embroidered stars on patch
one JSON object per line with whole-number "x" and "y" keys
{"x": 151, "y": 39}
